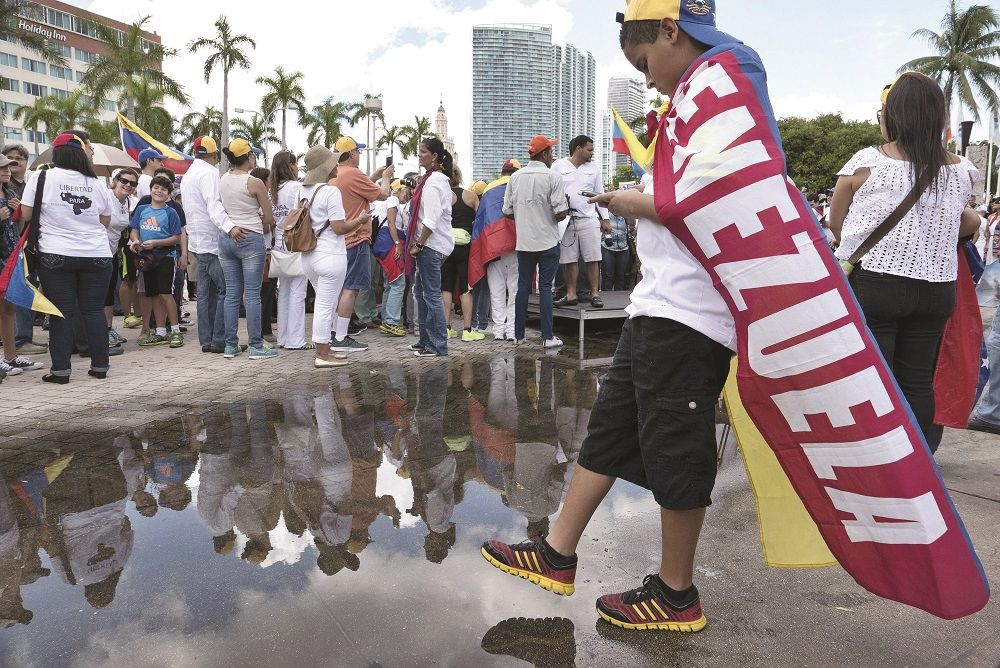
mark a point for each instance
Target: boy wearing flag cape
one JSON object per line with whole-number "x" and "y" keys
{"x": 734, "y": 260}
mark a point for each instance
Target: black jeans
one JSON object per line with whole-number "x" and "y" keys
{"x": 614, "y": 267}
{"x": 76, "y": 285}
{"x": 907, "y": 318}
{"x": 267, "y": 303}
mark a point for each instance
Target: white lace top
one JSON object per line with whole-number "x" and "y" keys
{"x": 922, "y": 245}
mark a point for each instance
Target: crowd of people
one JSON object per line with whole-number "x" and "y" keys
{"x": 388, "y": 254}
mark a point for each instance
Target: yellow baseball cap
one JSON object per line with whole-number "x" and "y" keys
{"x": 478, "y": 187}
{"x": 205, "y": 146}
{"x": 696, "y": 17}
{"x": 345, "y": 144}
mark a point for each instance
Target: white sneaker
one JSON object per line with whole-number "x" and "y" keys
{"x": 554, "y": 342}
{"x": 24, "y": 364}
{"x": 8, "y": 369}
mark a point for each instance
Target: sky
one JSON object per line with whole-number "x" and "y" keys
{"x": 820, "y": 56}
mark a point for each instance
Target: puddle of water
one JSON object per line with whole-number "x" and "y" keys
{"x": 309, "y": 522}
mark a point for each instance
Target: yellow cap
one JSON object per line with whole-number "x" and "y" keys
{"x": 652, "y": 10}
{"x": 345, "y": 144}
{"x": 479, "y": 187}
{"x": 205, "y": 145}
{"x": 239, "y": 147}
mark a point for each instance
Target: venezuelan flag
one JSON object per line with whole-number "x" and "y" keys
{"x": 493, "y": 234}
{"x": 624, "y": 141}
{"x": 135, "y": 139}
{"x": 19, "y": 291}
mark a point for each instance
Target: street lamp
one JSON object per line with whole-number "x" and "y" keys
{"x": 372, "y": 105}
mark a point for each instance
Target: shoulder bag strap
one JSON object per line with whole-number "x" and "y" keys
{"x": 892, "y": 220}
{"x": 313, "y": 199}
{"x": 36, "y": 213}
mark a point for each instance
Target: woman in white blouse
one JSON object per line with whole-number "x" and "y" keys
{"x": 906, "y": 283}
{"x": 284, "y": 188}
{"x": 430, "y": 243}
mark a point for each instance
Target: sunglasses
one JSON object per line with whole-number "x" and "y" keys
{"x": 126, "y": 182}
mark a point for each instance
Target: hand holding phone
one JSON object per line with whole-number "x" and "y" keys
{"x": 588, "y": 194}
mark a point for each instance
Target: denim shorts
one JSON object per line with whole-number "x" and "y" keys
{"x": 654, "y": 420}
{"x": 359, "y": 268}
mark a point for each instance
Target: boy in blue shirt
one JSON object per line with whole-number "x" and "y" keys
{"x": 156, "y": 229}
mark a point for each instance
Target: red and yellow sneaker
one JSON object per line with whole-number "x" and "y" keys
{"x": 529, "y": 561}
{"x": 647, "y": 609}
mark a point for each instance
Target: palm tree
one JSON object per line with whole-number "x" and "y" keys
{"x": 394, "y": 137}
{"x": 283, "y": 91}
{"x": 130, "y": 59}
{"x": 102, "y": 132}
{"x": 35, "y": 115}
{"x": 226, "y": 52}
{"x": 968, "y": 41}
{"x": 10, "y": 12}
{"x": 323, "y": 123}
{"x": 149, "y": 111}
{"x": 199, "y": 123}
{"x": 415, "y": 134}
{"x": 258, "y": 131}
{"x": 73, "y": 111}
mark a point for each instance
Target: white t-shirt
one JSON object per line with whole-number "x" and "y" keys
{"x": 328, "y": 205}
{"x": 143, "y": 188}
{"x": 676, "y": 286}
{"x": 120, "y": 219}
{"x": 585, "y": 177}
{"x": 380, "y": 209}
{"x": 288, "y": 198}
{"x": 71, "y": 208}
{"x": 922, "y": 245}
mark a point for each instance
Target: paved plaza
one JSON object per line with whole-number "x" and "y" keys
{"x": 197, "y": 511}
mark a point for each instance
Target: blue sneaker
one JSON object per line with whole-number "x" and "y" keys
{"x": 231, "y": 351}
{"x": 262, "y": 353}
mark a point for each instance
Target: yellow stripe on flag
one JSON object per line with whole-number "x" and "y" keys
{"x": 124, "y": 122}
{"x": 788, "y": 535}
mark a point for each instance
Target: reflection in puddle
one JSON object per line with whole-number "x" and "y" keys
{"x": 297, "y": 482}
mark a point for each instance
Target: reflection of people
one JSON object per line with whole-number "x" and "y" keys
{"x": 12, "y": 610}
{"x": 258, "y": 508}
{"x": 218, "y": 488}
{"x": 87, "y": 535}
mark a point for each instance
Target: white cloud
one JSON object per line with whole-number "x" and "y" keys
{"x": 345, "y": 50}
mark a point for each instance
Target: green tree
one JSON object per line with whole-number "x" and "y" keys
{"x": 394, "y": 137}
{"x": 258, "y": 131}
{"x": 73, "y": 111}
{"x": 323, "y": 122}
{"x": 199, "y": 123}
{"x": 10, "y": 12}
{"x": 102, "y": 132}
{"x": 968, "y": 42}
{"x": 149, "y": 111}
{"x": 816, "y": 148}
{"x": 130, "y": 60}
{"x": 283, "y": 91}
{"x": 36, "y": 115}
{"x": 226, "y": 53}
{"x": 420, "y": 129}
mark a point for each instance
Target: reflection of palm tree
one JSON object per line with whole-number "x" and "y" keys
{"x": 129, "y": 58}
{"x": 968, "y": 41}
{"x": 282, "y": 91}
{"x": 226, "y": 53}
{"x": 323, "y": 122}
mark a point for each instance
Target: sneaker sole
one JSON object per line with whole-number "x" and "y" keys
{"x": 683, "y": 627}
{"x": 349, "y": 350}
{"x": 548, "y": 584}
{"x": 150, "y": 345}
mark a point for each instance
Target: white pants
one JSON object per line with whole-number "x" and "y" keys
{"x": 292, "y": 311}
{"x": 326, "y": 272}
{"x": 502, "y": 276}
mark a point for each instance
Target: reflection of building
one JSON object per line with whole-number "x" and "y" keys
{"x": 24, "y": 77}
{"x": 523, "y": 85}
{"x": 441, "y": 130}
{"x": 628, "y": 96}
{"x": 576, "y": 75}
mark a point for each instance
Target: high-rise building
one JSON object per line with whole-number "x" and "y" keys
{"x": 513, "y": 92}
{"x": 25, "y": 76}
{"x": 576, "y": 83}
{"x": 628, "y": 96}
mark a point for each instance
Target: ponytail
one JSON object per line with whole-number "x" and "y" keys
{"x": 444, "y": 157}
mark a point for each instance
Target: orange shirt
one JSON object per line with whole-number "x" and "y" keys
{"x": 358, "y": 192}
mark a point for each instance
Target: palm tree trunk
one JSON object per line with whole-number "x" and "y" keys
{"x": 130, "y": 108}
{"x": 36, "y": 137}
{"x": 225, "y": 117}
{"x": 284, "y": 129}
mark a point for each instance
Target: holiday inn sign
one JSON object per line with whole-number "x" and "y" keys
{"x": 47, "y": 33}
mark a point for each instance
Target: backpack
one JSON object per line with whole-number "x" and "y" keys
{"x": 298, "y": 235}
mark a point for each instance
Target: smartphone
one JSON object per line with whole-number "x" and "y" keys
{"x": 388, "y": 161}
{"x": 588, "y": 194}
